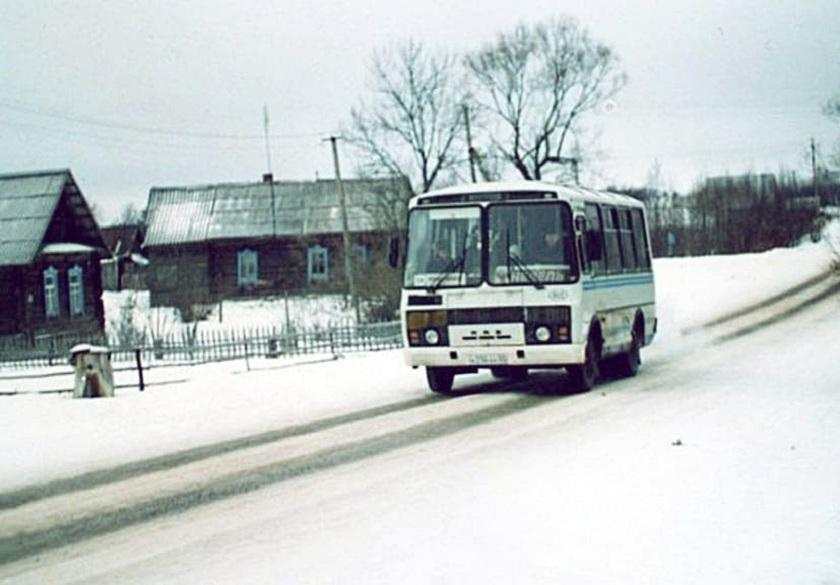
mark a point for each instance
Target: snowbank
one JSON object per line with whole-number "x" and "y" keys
{"x": 130, "y": 311}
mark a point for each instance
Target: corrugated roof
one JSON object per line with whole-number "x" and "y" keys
{"x": 27, "y": 204}
{"x": 178, "y": 215}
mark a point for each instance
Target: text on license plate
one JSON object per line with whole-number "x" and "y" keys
{"x": 490, "y": 359}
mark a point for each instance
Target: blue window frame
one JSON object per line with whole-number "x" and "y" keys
{"x": 317, "y": 264}
{"x": 76, "y": 291}
{"x": 247, "y": 267}
{"x": 51, "y": 305}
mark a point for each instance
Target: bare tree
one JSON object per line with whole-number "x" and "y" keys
{"x": 130, "y": 215}
{"x": 536, "y": 83}
{"x": 413, "y": 125}
{"x": 832, "y": 110}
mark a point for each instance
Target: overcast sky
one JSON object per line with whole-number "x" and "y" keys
{"x": 131, "y": 95}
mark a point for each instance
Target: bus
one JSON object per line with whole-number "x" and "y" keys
{"x": 514, "y": 276}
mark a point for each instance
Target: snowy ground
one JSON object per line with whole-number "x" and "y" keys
{"x": 717, "y": 464}
{"x": 588, "y": 489}
{"x": 50, "y": 436}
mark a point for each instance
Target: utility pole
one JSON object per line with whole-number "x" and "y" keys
{"x": 270, "y": 173}
{"x": 342, "y": 200}
{"x": 470, "y": 149}
{"x": 814, "y": 166}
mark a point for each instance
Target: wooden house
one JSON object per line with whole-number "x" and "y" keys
{"x": 213, "y": 242}
{"x": 50, "y": 247}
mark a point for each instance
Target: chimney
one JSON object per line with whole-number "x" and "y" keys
{"x": 268, "y": 178}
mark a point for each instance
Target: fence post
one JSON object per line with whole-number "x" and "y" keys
{"x": 247, "y": 362}
{"x": 137, "y": 351}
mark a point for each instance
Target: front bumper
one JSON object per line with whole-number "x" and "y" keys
{"x": 534, "y": 356}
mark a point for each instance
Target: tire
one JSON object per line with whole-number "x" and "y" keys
{"x": 440, "y": 379}
{"x": 626, "y": 365}
{"x": 584, "y": 376}
{"x": 514, "y": 373}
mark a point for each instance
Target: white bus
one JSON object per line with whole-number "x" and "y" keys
{"x": 516, "y": 276}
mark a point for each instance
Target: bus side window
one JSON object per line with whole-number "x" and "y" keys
{"x": 594, "y": 240}
{"x": 580, "y": 234}
{"x": 640, "y": 239}
{"x": 628, "y": 249}
{"x": 613, "y": 246}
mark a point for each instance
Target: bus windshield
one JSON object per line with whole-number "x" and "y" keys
{"x": 531, "y": 243}
{"x": 444, "y": 248}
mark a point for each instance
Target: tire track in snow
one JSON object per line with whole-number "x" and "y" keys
{"x": 786, "y": 313}
{"x": 25, "y": 543}
{"x": 800, "y": 296}
{"x": 99, "y": 477}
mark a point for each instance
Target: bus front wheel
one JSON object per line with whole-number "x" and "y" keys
{"x": 440, "y": 379}
{"x": 583, "y": 376}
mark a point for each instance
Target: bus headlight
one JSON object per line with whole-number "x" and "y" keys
{"x": 427, "y": 328}
{"x": 432, "y": 337}
{"x": 548, "y": 324}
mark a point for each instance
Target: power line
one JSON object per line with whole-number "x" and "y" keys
{"x": 81, "y": 137}
{"x": 111, "y": 125}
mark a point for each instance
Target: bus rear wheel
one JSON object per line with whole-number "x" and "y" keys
{"x": 626, "y": 365}
{"x": 440, "y": 379}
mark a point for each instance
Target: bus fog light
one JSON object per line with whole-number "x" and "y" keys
{"x": 542, "y": 334}
{"x": 432, "y": 337}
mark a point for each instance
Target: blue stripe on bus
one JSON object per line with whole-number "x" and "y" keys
{"x": 619, "y": 281}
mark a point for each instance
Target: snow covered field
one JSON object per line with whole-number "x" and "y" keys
{"x": 717, "y": 464}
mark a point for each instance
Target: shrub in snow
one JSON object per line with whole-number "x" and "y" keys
{"x": 123, "y": 329}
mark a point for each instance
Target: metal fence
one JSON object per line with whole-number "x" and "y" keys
{"x": 188, "y": 345}
{"x": 22, "y": 351}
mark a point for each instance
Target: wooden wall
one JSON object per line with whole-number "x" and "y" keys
{"x": 33, "y": 308}
{"x": 205, "y": 273}
{"x": 178, "y": 276}
{"x": 11, "y": 301}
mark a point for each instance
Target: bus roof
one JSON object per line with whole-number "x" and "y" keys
{"x": 565, "y": 192}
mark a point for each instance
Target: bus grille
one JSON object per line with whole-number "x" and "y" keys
{"x": 486, "y": 315}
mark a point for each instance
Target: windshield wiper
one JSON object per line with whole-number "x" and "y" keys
{"x": 447, "y": 270}
{"x": 529, "y": 274}
{"x": 458, "y": 262}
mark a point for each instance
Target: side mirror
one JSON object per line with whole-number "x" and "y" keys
{"x": 594, "y": 250}
{"x": 394, "y": 252}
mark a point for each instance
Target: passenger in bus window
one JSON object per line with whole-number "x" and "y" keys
{"x": 550, "y": 249}
{"x": 440, "y": 259}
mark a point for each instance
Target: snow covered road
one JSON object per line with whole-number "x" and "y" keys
{"x": 718, "y": 463}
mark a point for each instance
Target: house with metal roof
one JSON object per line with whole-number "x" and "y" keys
{"x": 211, "y": 242}
{"x": 50, "y": 247}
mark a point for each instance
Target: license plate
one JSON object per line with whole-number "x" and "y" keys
{"x": 491, "y": 359}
